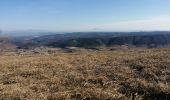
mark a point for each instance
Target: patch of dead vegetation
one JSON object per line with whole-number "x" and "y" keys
{"x": 133, "y": 74}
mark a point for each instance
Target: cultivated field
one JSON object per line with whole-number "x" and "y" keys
{"x": 133, "y": 74}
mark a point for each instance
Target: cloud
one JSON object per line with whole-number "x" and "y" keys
{"x": 157, "y": 23}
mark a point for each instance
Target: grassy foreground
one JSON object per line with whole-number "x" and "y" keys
{"x": 102, "y": 75}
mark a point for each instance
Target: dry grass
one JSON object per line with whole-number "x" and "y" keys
{"x": 103, "y": 75}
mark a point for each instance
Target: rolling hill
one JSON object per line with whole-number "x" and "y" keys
{"x": 97, "y": 39}
{"x": 5, "y": 44}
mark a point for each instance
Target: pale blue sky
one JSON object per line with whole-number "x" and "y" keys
{"x": 85, "y": 15}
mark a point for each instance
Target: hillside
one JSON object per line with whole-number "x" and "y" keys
{"x": 98, "y": 39}
{"x": 6, "y": 45}
{"x": 134, "y": 74}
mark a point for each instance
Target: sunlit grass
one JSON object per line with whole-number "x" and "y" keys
{"x": 101, "y": 75}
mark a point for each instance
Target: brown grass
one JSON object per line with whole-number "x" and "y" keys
{"x": 133, "y": 74}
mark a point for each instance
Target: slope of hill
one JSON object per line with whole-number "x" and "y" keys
{"x": 6, "y": 45}
{"x": 135, "y": 74}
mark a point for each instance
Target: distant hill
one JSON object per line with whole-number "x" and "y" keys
{"x": 32, "y": 33}
{"x": 95, "y": 39}
{"x": 138, "y": 40}
{"x": 0, "y": 32}
{"x": 6, "y": 45}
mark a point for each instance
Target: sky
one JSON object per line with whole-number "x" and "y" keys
{"x": 85, "y": 15}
